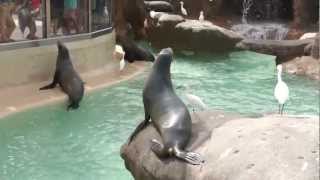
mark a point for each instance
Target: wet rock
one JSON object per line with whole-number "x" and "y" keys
{"x": 170, "y": 19}
{"x": 308, "y": 35}
{"x": 159, "y": 6}
{"x": 305, "y": 65}
{"x": 163, "y": 28}
{"x": 194, "y": 35}
{"x": 284, "y": 50}
{"x": 198, "y": 35}
{"x": 269, "y": 148}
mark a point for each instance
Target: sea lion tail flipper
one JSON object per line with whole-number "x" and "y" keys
{"x": 141, "y": 126}
{"x": 158, "y": 148}
{"x": 51, "y": 85}
{"x": 73, "y": 106}
{"x": 190, "y": 157}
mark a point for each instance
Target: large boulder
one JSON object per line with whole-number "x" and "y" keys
{"x": 159, "y": 6}
{"x": 194, "y": 35}
{"x": 163, "y": 28}
{"x": 284, "y": 50}
{"x": 304, "y": 66}
{"x": 235, "y": 148}
{"x": 129, "y": 12}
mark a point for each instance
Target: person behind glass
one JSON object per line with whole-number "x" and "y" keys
{"x": 56, "y": 15}
{"x": 70, "y": 16}
{"x": 7, "y": 24}
{"x": 28, "y": 10}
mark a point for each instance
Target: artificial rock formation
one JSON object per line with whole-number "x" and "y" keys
{"x": 304, "y": 66}
{"x": 158, "y": 6}
{"x": 284, "y": 50}
{"x": 129, "y": 13}
{"x": 235, "y": 148}
{"x": 179, "y": 33}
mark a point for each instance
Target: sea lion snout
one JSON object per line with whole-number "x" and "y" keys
{"x": 61, "y": 46}
{"x": 167, "y": 51}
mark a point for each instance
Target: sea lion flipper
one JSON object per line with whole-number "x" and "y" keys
{"x": 53, "y": 84}
{"x": 73, "y": 105}
{"x": 141, "y": 126}
{"x": 158, "y": 148}
{"x": 190, "y": 157}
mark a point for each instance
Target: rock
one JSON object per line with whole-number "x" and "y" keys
{"x": 203, "y": 35}
{"x": 159, "y": 6}
{"x": 305, "y": 12}
{"x": 312, "y": 49}
{"x": 170, "y": 19}
{"x": 284, "y": 50}
{"x": 305, "y": 65}
{"x": 163, "y": 28}
{"x": 315, "y": 49}
{"x": 194, "y": 35}
{"x": 308, "y": 35}
{"x": 129, "y": 12}
{"x": 271, "y": 147}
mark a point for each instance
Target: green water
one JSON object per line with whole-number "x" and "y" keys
{"x": 49, "y": 143}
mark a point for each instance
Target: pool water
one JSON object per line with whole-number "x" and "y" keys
{"x": 49, "y": 143}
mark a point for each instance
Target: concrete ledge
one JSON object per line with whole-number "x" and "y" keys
{"x": 20, "y": 98}
{"x": 31, "y": 65}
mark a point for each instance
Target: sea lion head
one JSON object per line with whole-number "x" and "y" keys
{"x": 166, "y": 51}
{"x": 164, "y": 59}
{"x": 62, "y": 50}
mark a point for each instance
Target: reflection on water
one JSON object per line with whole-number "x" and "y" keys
{"x": 49, "y": 143}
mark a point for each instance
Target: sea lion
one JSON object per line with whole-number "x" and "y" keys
{"x": 133, "y": 52}
{"x": 66, "y": 76}
{"x": 168, "y": 114}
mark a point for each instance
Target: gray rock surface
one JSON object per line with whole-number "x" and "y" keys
{"x": 235, "y": 148}
{"x": 193, "y": 35}
{"x": 284, "y": 49}
{"x": 305, "y": 65}
{"x": 160, "y": 6}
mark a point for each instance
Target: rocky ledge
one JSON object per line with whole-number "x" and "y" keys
{"x": 235, "y": 148}
{"x": 284, "y": 50}
{"x": 305, "y": 66}
{"x": 184, "y": 34}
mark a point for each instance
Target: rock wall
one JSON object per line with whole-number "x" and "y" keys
{"x": 306, "y": 12}
{"x": 129, "y": 14}
{"x": 301, "y": 11}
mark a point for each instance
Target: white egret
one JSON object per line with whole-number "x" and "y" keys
{"x": 201, "y": 17}
{"x": 145, "y": 23}
{"x": 106, "y": 12}
{"x": 153, "y": 14}
{"x": 122, "y": 64}
{"x": 119, "y": 54}
{"x": 195, "y": 101}
{"x": 281, "y": 91}
{"x": 183, "y": 10}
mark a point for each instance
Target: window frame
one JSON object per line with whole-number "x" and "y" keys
{"x": 46, "y": 19}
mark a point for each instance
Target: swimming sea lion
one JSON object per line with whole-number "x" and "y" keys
{"x": 133, "y": 52}
{"x": 168, "y": 114}
{"x": 66, "y": 76}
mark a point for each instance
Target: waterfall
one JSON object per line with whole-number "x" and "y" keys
{"x": 246, "y": 5}
{"x": 261, "y": 31}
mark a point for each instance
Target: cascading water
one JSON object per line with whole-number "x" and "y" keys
{"x": 261, "y": 31}
{"x": 246, "y": 5}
